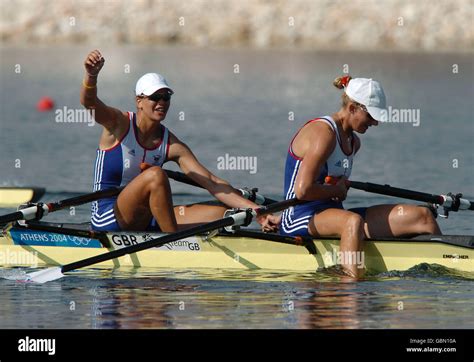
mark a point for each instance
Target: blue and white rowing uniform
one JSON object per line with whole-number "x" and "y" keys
{"x": 119, "y": 165}
{"x": 295, "y": 220}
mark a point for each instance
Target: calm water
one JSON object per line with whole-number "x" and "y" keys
{"x": 421, "y": 298}
{"x": 249, "y": 113}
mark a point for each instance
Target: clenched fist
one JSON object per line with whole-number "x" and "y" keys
{"x": 94, "y": 63}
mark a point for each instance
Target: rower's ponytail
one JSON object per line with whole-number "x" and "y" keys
{"x": 342, "y": 82}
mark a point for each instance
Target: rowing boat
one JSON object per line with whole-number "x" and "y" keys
{"x": 47, "y": 244}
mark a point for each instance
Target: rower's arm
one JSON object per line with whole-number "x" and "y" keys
{"x": 108, "y": 117}
{"x": 320, "y": 145}
{"x": 219, "y": 188}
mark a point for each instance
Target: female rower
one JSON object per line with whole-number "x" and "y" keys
{"x": 129, "y": 144}
{"x": 326, "y": 147}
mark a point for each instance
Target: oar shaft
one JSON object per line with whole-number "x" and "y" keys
{"x": 449, "y": 202}
{"x": 388, "y": 190}
{"x": 278, "y": 206}
{"x": 84, "y": 199}
{"x": 39, "y": 210}
{"x": 396, "y": 192}
{"x": 181, "y": 177}
{"x": 228, "y": 221}
{"x": 240, "y": 218}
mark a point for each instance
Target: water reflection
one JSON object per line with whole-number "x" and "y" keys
{"x": 128, "y": 299}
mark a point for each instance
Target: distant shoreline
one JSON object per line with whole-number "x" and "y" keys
{"x": 88, "y": 46}
{"x": 359, "y": 25}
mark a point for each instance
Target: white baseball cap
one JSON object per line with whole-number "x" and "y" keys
{"x": 369, "y": 93}
{"x": 150, "y": 83}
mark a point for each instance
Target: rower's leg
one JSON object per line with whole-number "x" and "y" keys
{"x": 347, "y": 225}
{"x": 147, "y": 195}
{"x": 196, "y": 214}
{"x": 399, "y": 220}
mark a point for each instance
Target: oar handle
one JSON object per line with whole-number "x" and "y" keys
{"x": 29, "y": 213}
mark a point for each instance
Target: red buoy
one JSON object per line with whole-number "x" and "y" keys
{"x": 45, "y": 104}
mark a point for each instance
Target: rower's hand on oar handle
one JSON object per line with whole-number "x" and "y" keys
{"x": 341, "y": 183}
{"x": 269, "y": 222}
{"x": 94, "y": 63}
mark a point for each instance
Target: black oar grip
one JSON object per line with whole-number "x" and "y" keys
{"x": 14, "y": 216}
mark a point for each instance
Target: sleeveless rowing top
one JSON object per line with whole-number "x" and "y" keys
{"x": 338, "y": 164}
{"x": 119, "y": 165}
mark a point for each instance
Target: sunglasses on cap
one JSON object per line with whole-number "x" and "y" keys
{"x": 156, "y": 97}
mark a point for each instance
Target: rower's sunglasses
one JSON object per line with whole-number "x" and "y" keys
{"x": 361, "y": 106}
{"x": 156, "y": 97}
{"x": 364, "y": 108}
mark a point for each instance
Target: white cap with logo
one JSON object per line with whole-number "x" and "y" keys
{"x": 150, "y": 83}
{"x": 369, "y": 93}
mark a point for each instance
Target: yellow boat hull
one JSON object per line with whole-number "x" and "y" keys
{"x": 233, "y": 252}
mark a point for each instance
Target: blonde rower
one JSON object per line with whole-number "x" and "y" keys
{"x": 326, "y": 146}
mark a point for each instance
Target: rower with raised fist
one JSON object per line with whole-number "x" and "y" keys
{"x": 132, "y": 150}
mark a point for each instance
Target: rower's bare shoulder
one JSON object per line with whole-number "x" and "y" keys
{"x": 319, "y": 129}
{"x": 317, "y": 132}
{"x": 113, "y": 132}
{"x": 118, "y": 122}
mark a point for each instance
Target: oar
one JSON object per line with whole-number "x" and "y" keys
{"x": 39, "y": 210}
{"x": 246, "y": 193}
{"x": 239, "y": 218}
{"x": 449, "y": 202}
